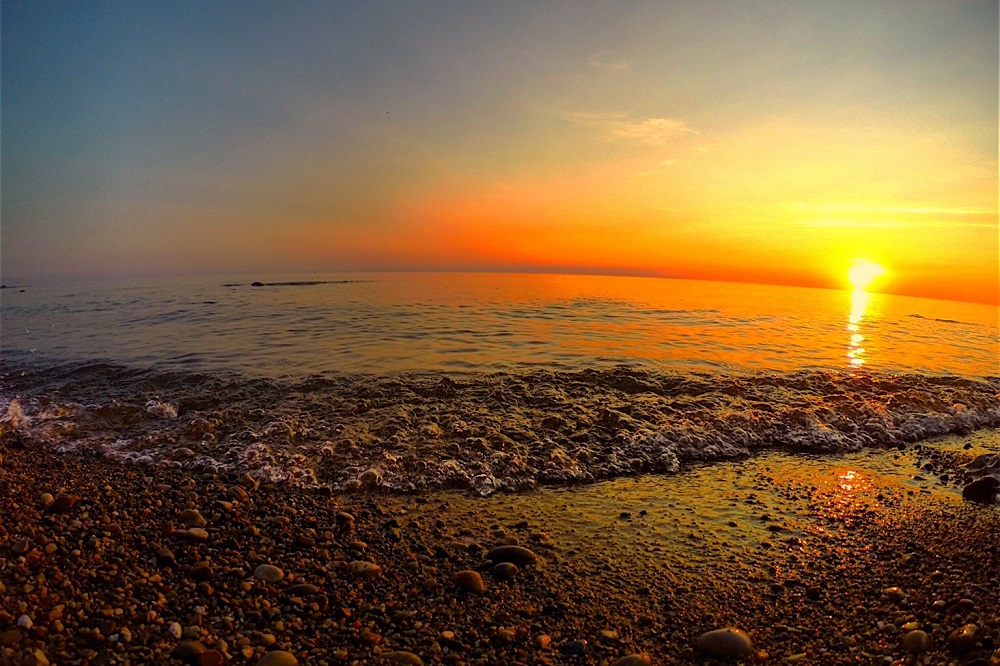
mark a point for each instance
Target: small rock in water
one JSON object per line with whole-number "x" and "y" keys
{"x": 633, "y": 660}
{"x": 518, "y": 555}
{"x": 470, "y": 581}
{"x": 728, "y": 642}
{"x": 268, "y": 573}
{"x": 916, "y": 641}
{"x": 278, "y": 658}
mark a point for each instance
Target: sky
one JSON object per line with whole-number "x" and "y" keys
{"x": 772, "y": 142}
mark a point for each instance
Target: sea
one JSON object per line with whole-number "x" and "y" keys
{"x": 404, "y": 382}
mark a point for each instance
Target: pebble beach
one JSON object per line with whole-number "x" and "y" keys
{"x": 869, "y": 558}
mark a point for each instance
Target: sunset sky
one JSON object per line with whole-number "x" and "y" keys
{"x": 749, "y": 141}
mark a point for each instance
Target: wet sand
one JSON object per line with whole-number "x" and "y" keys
{"x": 821, "y": 560}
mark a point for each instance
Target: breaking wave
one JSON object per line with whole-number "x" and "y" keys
{"x": 494, "y": 432}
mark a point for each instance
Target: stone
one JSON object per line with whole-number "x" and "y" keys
{"x": 633, "y": 660}
{"x": 916, "y": 641}
{"x": 893, "y": 594}
{"x": 470, "y": 581}
{"x": 728, "y": 642}
{"x": 363, "y": 569}
{"x": 402, "y": 657}
{"x": 63, "y": 503}
{"x": 192, "y": 518}
{"x": 201, "y": 571}
{"x": 188, "y": 651}
{"x": 983, "y": 490}
{"x": 278, "y": 658}
{"x": 518, "y": 555}
{"x": 504, "y": 570}
{"x": 268, "y": 573}
{"x": 46, "y": 500}
{"x": 963, "y": 639}
{"x": 35, "y": 658}
{"x": 211, "y": 658}
{"x": 193, "y": 535}
{"x": 302, "y": 590}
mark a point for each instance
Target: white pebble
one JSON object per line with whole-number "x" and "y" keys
{"x": 24, "y": 622}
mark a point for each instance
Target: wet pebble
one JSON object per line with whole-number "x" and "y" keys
{"x": 916, "y": 641}
{"x": 268, "y": 573}
{"x": 518, "y": 555}
{"x": 363, "y": 569}
{"x": 278, "y": 658}
{"x": 192, "y": 518}
{"x": 963, "y": 639}
{"x": 470, "y": 581}
{"x": 402, "y": 657}
{"x": 633, "y": 660}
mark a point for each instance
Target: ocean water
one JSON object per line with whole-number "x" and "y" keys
{"x": 492, "y": 382}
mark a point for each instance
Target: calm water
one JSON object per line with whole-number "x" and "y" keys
{"x": 460, "y": 322}
{"x": 490, "y": 382}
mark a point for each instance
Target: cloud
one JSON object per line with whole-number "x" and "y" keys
{"x": 653, "y": 131}
{"x": 900, "y": 210}
{"x": 608, "y": 61}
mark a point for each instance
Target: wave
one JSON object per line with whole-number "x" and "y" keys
{"x": 503, "y": 431}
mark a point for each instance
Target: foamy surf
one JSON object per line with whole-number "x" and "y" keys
{"x": 488, "y": 432}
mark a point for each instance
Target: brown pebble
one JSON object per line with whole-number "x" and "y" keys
{"x": 363, "y": 569}
{"x": 470, "y": 581}
{"x": 728, "y": 642}
{"x": 63, "y": 503}
{"x": 402, "y": 657}
{"x": 963, "y": 639}
{"x": 192, "y": 518}
{"x": 188, "y": 651}
{"x": 633, "y": 660}
{"x": 504, "y": 570}
{"x": 516, "y": 554}
{"x": 268, "y": 573}
{"x": 278, "y": 658}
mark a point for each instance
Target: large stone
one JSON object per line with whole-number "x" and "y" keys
{"x": 983, "y": 490}
{"x": 916, "y": 641}
{"x": 633, "y": 660}
{"x": 963, "y": 639}
{"x": 728, "y": 642}
{"x": 362, "y": 569}
{"x": 192, "y": 518}
{"x": 518, "y": 555}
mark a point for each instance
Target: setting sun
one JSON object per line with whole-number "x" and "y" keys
{"x": 863, "y": 273}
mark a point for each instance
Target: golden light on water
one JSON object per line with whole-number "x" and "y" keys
{"x": 863, "y": 273}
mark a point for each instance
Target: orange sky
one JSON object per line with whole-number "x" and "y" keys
{"x": 744, "y": 142}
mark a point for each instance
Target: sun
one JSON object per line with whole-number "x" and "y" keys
{"x": 863, "y": 272}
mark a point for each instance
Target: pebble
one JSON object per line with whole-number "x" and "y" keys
{"x": 278, "y": 658}
{"x": 35, "y": 658}
{"x": 893, "y": 594}
{"x": 192, "y": 518}
{"x": 302, "y": 590}
{"x": 63, "y": 503}
{"x": 193, "y": 535}
{"x": 268, "y": 573}
{"x": 188, "y": 650}
{"x": 402, "y": 657}
{"x": 633, "y": 660}
{"x": 982, "y": 490}
{"x": 25, "y": 622}
{"x": 963, "y": 639}
{"x": 728, "y": 642}
{"x": 518, "y": 555}
{"x": 470, "y": 581}
{"x": 46, "y": 499}
{"x": 504, "y": 570}
{"x": 363, "y": 569}
{"x": 201, "y": 571}
{"x": 916, "y": 641}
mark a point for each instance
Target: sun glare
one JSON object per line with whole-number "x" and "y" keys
{"x": 863, "y": 272}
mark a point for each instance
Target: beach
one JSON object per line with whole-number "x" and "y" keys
{"x": 825, "y": 560}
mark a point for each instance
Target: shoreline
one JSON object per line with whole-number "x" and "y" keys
{"x": 776, "y": 545}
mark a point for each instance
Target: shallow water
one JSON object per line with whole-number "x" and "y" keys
{"x": 485, "y": 382}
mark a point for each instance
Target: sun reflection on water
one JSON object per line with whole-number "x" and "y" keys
{"x": 855, "y": 352}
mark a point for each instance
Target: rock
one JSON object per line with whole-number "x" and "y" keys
{"x": 20, "y": 547}
{"x": 11, "y": 637}
{"x": 302, "y": 590}
{"x": 174, "y": 629}
{"x": 192, "y": 518}
{"x": 268, "y": 573}
{"x": 515, "y": 554}
{"x": 35, "y": 658}
{"x": 983, "y": 490}
{"x": 25, "y": 622}
{"x": 363, "y": 569}
{"x": 193, "y": 535}
{"x": 278, "y": 658}
{"x": 470, "y": 581}
{"x": 211, "y": 658}
{"x": 633, "y": 660}
{"x": 188, "y": 651}
{"x": 728, "y": 642}
{"x": 402, "y": 657}
{"x": 504, "y": 570}
{"x": 963, "y": 639}
{"x": 201, "y": 571}
{"x": 574, "y": 647}
{"x": 63, "y": 503}
{"x": 249, "y": 482}
{"x": 46, "y": 500}
{"x": 893, "y": 594}
{"x": 916, "y": 641}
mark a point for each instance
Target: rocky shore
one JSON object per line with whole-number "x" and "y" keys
{"x": 102, "y": 563}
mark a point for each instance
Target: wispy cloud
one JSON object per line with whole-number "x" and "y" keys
{"x": 966, "y": 211}
{"x": 650, "y": 131}
{"x": 654, "y": 131}
{"x": 608, "y": 61}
